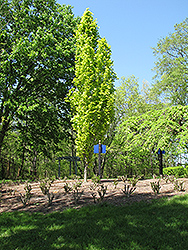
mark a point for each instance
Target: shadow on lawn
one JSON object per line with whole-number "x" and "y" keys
{"x": 161, "y": 224}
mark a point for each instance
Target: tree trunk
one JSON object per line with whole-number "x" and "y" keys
{"x": 2, "y": 169}
{"x": 3, "y": 132}
{"x": 103, "y": 165}
{"x": 8, "y": 169}
{"x": 85, "y": 170}
{"x": 95, "y": 167}
{"x": 151, "y": 163}
{"x": 35, "y": 164}
{"x": 20, "y": 169}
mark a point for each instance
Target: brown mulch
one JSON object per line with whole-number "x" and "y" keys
{"x": 10, "y": 199}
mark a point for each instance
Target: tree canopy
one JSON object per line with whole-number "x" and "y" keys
{"x": 36, "y": 70}
{"x": 172, "y": 65}
{"x": 156, "y": 129}
{"x": 36, "y": 59}
{"x": 130, "y": 100}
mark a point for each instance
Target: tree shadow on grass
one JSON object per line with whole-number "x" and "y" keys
{"x": 161, "y": 224}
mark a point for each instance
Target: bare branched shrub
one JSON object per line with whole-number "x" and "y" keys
{"x": 101, "y": 191}
{"x": 25, "y": 198}
{"x": 129, "y": 185}
{"x": 128, "y": 189}
{"x": 179, "y": 185}
{"x": 156, "y": 186}
{"x": 98, "y": 191}
{"x": 66, "y": 186}
{"x": 45, "y": 186}
{"x": 115, "y": 183}
{"x": 77, "y": 192}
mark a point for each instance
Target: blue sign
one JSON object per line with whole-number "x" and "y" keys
{"x": 96, "y": 149}
{"x": 161, "y": 151}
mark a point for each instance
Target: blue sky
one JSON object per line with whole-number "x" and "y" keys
{"x": 132, "y": 28}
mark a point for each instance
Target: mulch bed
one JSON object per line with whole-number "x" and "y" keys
{"x": 10, "y": 199}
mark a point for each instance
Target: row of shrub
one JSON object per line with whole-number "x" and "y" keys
{"x": 178, "y": 172}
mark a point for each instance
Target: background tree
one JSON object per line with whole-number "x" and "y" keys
{"x": 145, "y": 134}
{"x": 128, "y": 98}
{"x": 92, "y": 99}
{"x": 172, "y": 65}
{"x": 36, "y": 69}
{"x": 130, "y": 101}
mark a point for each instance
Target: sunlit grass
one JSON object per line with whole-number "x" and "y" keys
{"x": 161, "y": 224}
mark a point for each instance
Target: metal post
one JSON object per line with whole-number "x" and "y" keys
{"x": 70, "y": 168}
{"x": 75, "y": 166}
{"x": 161, "y": 163}
{"x": 100, "y": 158}
{"x": 59, "y": 168}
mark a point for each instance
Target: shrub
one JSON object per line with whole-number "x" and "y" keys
{"x": 169, "y": 178}
{"x": 129, "y": 185}
{"x": 179, "y": 185}
{"x": 156, "y": 186}
{"x": 98, "y": 189}
{"x": 123, "y": 178}
{"x": 115, "y": 183}
{"x": 50, "y": 198}
{"x": 45, "y": 185}
{"x": 101, "y": 191}
{"x": 93, "y": 188}
{"x": 66, "y": 186}
{"x": 176, "y": 171}
{"x": 77, "y": 192}
{"x": 25, "y": 198}
{"x": 128, "y": 189}
{"x": 134, "y": 180}
{"x": 96, "y": 179}
{"x": 45, "y": 188}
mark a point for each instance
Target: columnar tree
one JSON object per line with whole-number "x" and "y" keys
{"x": 92, "y": 98}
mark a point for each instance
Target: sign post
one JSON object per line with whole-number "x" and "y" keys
{"x": 59, "y": 168}
{"x": 160, "y": 153}
{"x": 98, "y": 149}
{"x": 100, "y": 158}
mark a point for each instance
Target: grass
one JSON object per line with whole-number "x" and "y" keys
{"x": 161, "y": 224}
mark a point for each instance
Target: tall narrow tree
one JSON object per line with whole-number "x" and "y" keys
{"x": 92, "y": 98}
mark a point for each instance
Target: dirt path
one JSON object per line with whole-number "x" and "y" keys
{"x": 10, "y": 200}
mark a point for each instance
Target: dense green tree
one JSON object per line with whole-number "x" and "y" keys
{"x": 129, "y": 101}
{"x": 26, "y": 158}
{"x": 39, "y": 131}
{"x": 145, "y": 134}
{"x": 172, "y": 64}
{"x": 36, "y": 68}
{"x": 92, "y": 99}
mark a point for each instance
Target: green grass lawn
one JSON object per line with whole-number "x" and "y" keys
{"x": 161, "y": 224}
